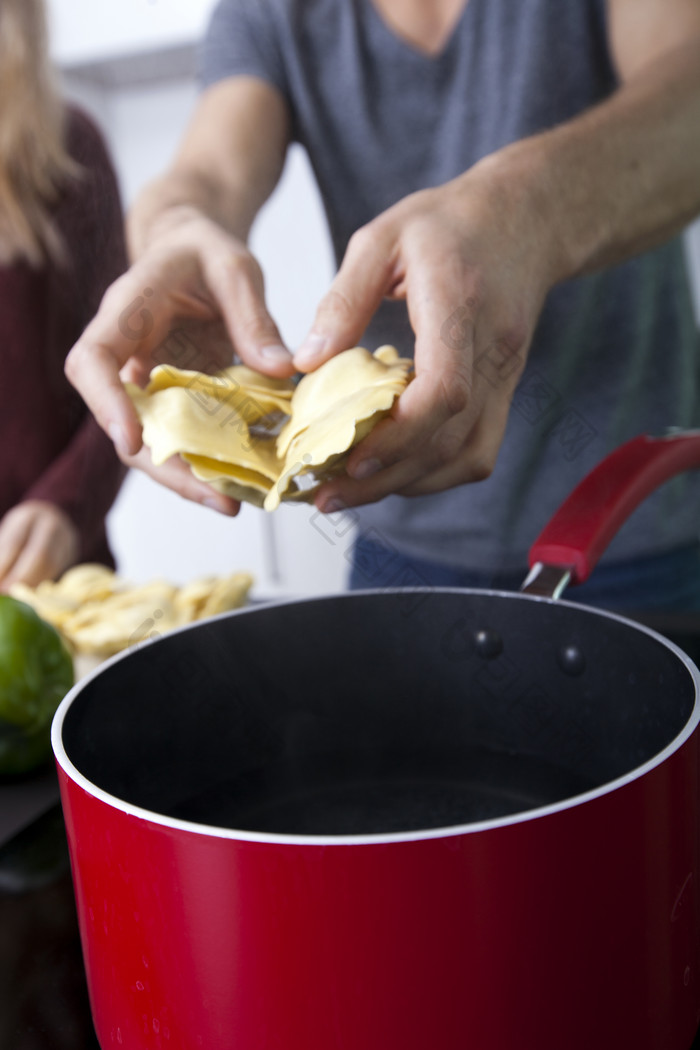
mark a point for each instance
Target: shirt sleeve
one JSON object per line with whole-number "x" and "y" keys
{"x": 242, "y": 40}
{"x": 83, "y": 481}
{"x": 85, "y": 477}
{"x": 91, "y": 217}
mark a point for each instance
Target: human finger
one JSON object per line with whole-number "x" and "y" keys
{"x": 237, "y": 283}
{"x": 424, "y": 461}
{"x": 365, "y": 276}
{"x": 443, "y": 385}
{"x": 34, "y": 562}
{"x": 444, "y": 462}
{"x": 14, "y": 529}
{"x": 343, "y": 491}
{"x": 473, "y": 461}
{"x": 133, "y": 320}
{"x": 421, "y": 458}
{"x": 176, "y": 475}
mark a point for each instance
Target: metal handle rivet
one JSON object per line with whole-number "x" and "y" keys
{"x": 488, "y": 644}
{"x": 571, "y": 660}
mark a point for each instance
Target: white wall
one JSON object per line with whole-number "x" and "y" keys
{"x": 93, "y": 30}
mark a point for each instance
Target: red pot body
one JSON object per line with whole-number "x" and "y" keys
{"x": 571, "y": 926}
{"x": 576, "y": 927}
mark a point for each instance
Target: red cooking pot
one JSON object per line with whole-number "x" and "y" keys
{"x": 399, "y": 820}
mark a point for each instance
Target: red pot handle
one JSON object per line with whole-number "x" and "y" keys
{"x": 588, "y": 520}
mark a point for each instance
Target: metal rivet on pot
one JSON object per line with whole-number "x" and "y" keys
{"x": 489, "y": 644}
{"x": 571, "y": 660}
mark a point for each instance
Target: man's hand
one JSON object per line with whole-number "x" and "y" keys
{"x": 474, "y": 263}
{"x": 475, "y": 258}
{"x": 195, "y": 294}
{"x": 38, "y": 541}
{"x": 189, "y": 301}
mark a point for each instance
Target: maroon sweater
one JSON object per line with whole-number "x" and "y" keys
{"x": 50, "y": 446}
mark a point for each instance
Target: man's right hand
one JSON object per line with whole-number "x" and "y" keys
{"x": 195, "y": 295}
{"x": 191, "y": 300}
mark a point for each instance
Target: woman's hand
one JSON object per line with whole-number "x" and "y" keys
{"x": 473, "y": 263}
{"x": 38, "y": 541}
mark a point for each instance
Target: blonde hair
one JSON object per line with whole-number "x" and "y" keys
{"x": 34, "y": 162}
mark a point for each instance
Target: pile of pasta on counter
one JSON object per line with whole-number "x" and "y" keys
{"x": 99, "y": 614}
{"x": 266, "y": 440}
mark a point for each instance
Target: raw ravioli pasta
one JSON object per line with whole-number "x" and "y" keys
{"x": 265, "y": 440}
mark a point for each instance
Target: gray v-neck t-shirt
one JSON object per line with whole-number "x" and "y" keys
{"x": 615, "y": 354}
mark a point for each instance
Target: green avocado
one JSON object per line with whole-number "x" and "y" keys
{"x": 36, "y": 672}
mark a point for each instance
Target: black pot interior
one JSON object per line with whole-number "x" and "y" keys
{"x": 389, "y": 712}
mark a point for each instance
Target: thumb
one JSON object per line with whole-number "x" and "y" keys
{"x": 363, "y": 279}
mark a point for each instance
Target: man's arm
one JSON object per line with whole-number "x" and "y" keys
{"x": 625, "y": 176}
{"x": 192, "y": 269}
{"x": 227, "y": 165}
{"x": 475, "y": 258}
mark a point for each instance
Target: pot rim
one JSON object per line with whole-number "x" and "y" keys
{"x": 74, "y": 774}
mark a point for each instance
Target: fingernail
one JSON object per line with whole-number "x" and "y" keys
{"x": 311, "y": 349}
{"x": 214, "y": 504}
{"x": 118, "y": 437}
{"x": 275, "y": 353}
{"x": 333, "y": 506}
{"x": 365, "y": 469}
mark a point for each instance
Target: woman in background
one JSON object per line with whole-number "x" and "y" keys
{"x": 61, "y": 245}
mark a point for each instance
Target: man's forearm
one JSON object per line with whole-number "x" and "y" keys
{"x": 225, "y": 168}
{"x": 177, "y": 197}
{"x": 622, "y": 177}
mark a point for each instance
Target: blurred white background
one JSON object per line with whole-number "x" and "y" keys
{"x": 131, "y": 64}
